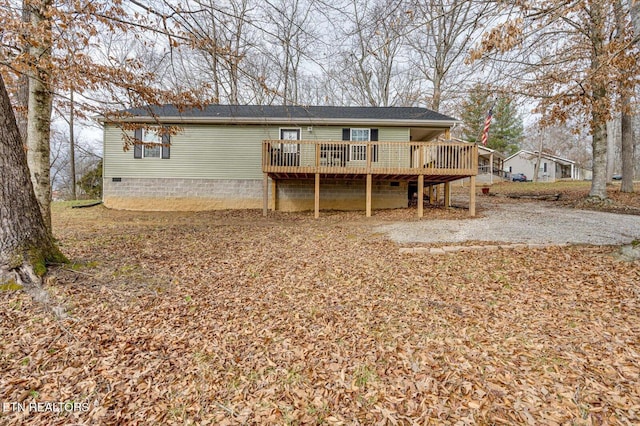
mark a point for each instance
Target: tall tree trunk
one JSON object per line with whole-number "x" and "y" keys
{"x": 613, "y": 126}
{"x": 599, "y": 147}
{"x": 599, "y": 103}
{"x": 39, "y": 113}
{"x": 626, "y": 121}
{"x": 627, "y": 145}
{"x": 25, "y": 243}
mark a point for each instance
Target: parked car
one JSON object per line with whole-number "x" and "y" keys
{"x": 617, "y": 177}
{"x": 518, "y": 177}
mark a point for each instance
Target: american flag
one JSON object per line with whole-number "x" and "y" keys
{"x": 487, "y": 123}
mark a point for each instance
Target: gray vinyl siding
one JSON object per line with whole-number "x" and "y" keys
{"x": 214, "y": 151}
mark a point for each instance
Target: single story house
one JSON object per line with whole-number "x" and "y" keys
{"x": 288, "y": 158}
{"x": 552, "y": 167}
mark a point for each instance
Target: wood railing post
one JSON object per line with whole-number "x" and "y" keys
{"x": 368, "y": 201}
{"x": 447, "y": 194}
{"x": 317, "y": 155}
{"x": 265, "y": 194}
{"x": 472, "y": 196}
{"x": 274, "y": 194}
{"x": 316, "y": 198}
{"x": 421, "y": 195}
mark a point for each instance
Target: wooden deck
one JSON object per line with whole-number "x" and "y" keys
{"x": 425, "y": 162}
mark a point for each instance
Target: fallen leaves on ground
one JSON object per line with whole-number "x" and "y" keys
{"x": 231, "y": 318}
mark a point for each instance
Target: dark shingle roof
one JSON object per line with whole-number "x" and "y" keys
{"x": 293, "y": 113}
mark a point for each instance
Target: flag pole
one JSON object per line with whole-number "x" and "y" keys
{"x": 487, "y": 124}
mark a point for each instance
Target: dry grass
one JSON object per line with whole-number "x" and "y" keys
{"x": 230, "y": 318}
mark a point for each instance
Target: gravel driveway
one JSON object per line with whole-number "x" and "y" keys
{"x": 531, "y": 222}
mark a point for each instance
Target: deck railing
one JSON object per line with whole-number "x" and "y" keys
{"x": 389, "y": 158}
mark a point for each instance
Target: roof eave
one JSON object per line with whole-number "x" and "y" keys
{"x": 309, "y": 121}
{"x": 545, "y": 156}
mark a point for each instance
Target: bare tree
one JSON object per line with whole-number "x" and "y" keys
{"x": 441, "y": 35}
{"x": 220, "y": 37}
{"x": 288, "y": 38}
{"x": 370, "y": 64}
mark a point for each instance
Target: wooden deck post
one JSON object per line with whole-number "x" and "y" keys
{"x": 265, "y": 194}
{"x": 447, "y": 194}
{"x": 316, "y": 201}
{"x": 369, "y": 178}
{"x": 368, "y": 207}
{"x": 472, "y": 196}
{"x": 491, "y": 168}
{"x": 420, "y": 195}
{"x": 274, "y": 194}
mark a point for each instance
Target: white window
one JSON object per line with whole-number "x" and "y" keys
{"x": 152, "y": 147}
{"x": 290, "y": 135}
{"x": 359, "y": 152}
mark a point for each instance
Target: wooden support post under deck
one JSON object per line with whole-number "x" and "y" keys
{"x": 420, "y": 195}
{"x": 274, "y": 194}
{"x": 316, "y": 201}
{"x": 368, "y": 208}
{"x": 265, "y": 195}
{"x": 447, "y": 194}
{"x": 472, "y": 196}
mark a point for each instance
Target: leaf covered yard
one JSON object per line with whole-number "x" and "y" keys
{"x": 230, "y": 318}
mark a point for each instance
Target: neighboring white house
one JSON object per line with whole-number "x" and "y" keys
{"x": 552, "y": 168}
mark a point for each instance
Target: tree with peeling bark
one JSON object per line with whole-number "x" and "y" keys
{"x": 568, "y": 62}
{"x": 26, "y": 245}
{"x": 40, "y": 105}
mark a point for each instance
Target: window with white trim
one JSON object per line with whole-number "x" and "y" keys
{"x": 152, "y": 142}
{"x": 290, "y": 135}
{"x": 359, "y": 152}
{"x": 152, "y": 147}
